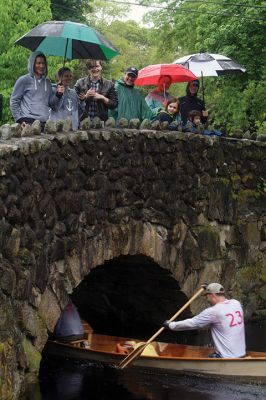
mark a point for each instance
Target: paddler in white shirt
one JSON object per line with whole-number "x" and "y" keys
{"x": 226, "y": 320}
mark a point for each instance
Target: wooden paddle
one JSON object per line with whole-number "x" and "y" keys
{"x": 137, "y": 351}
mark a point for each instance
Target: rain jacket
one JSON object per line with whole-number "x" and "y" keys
{"x": 69, "y": 323}
{"x": 68, "y": 106}
{"x": 131, "y": 104}
{"x": 163, "y": 116}
{"x": 189, "y": 103}
{"x": 32, "y": 97}
{"x": 191, "y": 127}
{"x": 155, "y": 100}
{"x": 106, "y": 88}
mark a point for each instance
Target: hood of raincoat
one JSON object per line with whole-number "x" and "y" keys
{"x": 187, "y": 88}
{"x": 31, "y": 62}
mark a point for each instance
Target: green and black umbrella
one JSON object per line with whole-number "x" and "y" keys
{"x": 68, "y": 39}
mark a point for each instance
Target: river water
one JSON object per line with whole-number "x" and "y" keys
{"x": 78, "y": 380}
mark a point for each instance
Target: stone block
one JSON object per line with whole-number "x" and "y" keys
{"x": 67, "y": 126}
{"x": 155, "y": 125}
{"x": 5, "y": 131}
{"x": 26, "y": 131}
{"x": 134, "y": 123}
{"x": 49, "y": 309}
{"x": 97, "y": 123}
{"x": 60, "y": 125}
{"x": 13, "y": 243}
{"x": 36, "y": 128}
{"x": 122, "y": 123}
{"x": 110, "y": 123}
{"x": 145, "y": 124}
{"x": 15, "y": 130}
{"x": 251, "y": 234}
{"x": 85, "y": 124}
{"x": 50, "y": 127}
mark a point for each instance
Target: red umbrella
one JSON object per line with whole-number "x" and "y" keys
{"x": 150, "y": 75}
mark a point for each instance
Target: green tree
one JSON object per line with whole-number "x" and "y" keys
{"x": 70, "y": 10}
{"x": 17, "y": 18}
{"x": 104, "y": 12}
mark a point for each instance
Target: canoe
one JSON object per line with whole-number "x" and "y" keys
{"x": 164, "y": 357}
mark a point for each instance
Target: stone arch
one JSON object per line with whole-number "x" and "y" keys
{"x": 155, "y": 242}
{"x": 128, "y": 296}
{"x": 161, "y": 245}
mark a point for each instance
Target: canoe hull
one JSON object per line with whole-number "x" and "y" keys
{"x": 246, "y": 369}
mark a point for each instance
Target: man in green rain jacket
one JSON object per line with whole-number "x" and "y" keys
{"x": 131, "y": 104}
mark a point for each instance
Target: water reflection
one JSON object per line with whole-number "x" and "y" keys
{"x": 79, "y": 381}
{"x": 73, "y": 380}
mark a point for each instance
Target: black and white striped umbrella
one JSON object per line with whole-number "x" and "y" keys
{"x": 205, "y": 64}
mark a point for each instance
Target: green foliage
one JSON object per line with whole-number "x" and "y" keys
{"x": 103, "y": 13}
{"x": 70, "y": 10}
{"x": 17, "y": 18}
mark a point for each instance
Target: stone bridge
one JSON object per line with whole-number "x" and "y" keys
{"x": 188, "y": 208}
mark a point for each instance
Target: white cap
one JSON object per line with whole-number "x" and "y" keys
{"x": 214, "y": 288}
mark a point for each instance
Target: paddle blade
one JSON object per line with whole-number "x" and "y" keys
{"x": 131, "y": 356}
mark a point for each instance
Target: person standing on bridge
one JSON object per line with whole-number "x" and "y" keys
{"x": 158, "y": 98}
{"x": 69, "y": 105}
{"x": 98, "y": 93}
{"x": 32, "y": 95}
{"x": 131, "y": 103}
{"x": 192, "y": 102}
{"x": 226, "y": 320}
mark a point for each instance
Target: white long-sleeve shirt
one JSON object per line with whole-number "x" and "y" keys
{"x": 226, "y": 320}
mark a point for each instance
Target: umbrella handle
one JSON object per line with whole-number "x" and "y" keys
{"x": 65, "y": 53}
{"x": 202, "y": 86}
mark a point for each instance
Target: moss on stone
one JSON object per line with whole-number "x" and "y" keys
{"x": 209, "y": 243}
{"x": 255, "y": 272}
{"x": 236, "y": 182}
{"x": 6, "y": 390}
{"x": 250, "y": 289}
{"x": 33, "y": 357}
{"x": 235, "y": 178}
{"x": 247, "y": 178}
{"x": 25, "y": 258}
{"x": 225, "y": 181}
{"x": 244, "y": 195}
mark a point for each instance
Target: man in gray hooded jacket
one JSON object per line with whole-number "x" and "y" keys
{"x": 32, "y": 95}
